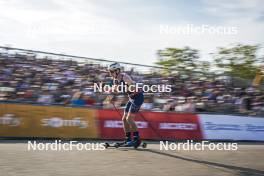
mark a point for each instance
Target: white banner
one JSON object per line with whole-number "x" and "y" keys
{"x": 225, "y": 127}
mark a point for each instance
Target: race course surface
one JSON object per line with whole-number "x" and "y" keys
{"x": 15, "y": 159}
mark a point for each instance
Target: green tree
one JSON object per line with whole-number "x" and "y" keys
{"x": 184, "y": 60}
{"x": 181, "y": 59}
{"x": 239, "y": 60}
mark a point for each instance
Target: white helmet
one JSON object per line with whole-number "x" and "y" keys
{"x": 114, "y": 66}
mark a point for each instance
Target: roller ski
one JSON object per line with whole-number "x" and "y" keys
{"x": 133, "y": 144}
{"x": 118, "y": 144}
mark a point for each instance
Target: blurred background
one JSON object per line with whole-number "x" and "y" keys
{"x": 52, "y": 52}
{"x": 231, "y": 84}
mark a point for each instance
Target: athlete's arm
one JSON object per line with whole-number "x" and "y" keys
{"x": 128, "y": 79}
{"x": 129, "y": 82}
{"x": 110, "y": 94}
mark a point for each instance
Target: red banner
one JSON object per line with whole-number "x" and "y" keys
{"x": 151, "y": 125}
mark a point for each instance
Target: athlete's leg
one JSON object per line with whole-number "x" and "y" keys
{"x": 135, "y": 105}
{"x": 134, "y": 108}
{"x": 130, "y": 121}
{"x": 126, "y": 125}
{"x": 126, "y": 128}
{"x": 136, "y": 138}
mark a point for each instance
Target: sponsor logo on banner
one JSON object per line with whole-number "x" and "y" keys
{"x": 19, "y": 120}
{"x": 119, "y": 124}
{"x": 215, "y": 126}
{"x": 251, "y": 127}
{"x": 10, "y": 120}
{"x": 57, "y": 122}
{"x": 151, "y": 125}
{"x": 178, "y": 126}
{"x": 232, "y": 127}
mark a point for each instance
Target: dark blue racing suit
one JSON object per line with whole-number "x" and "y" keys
{"x": 136, "y": 98}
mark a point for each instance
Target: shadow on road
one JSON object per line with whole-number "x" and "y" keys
{"x": 242, "y": 171}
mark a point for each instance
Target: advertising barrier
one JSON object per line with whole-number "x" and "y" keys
{"x": 47, "y": 121}
{"x": 226, "y": 127}
{"x": 18, "y": 120}
{"x": 153, "y": 125}
{"x": 15, "y": 121}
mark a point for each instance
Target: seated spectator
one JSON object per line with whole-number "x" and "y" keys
{"x": 78, "y": 99}
{"x": 45, "y": 98}
{"x": 148, "y": 104}
{"x": 190, "y": 106}
{"x": 169, "y": 106}
{"x": 89, "y": 100}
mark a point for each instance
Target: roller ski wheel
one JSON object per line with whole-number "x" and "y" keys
{"x": 106, "y": 145}
{"x": 137, "y": 143}
{"x": 129, "y": 145}
{"x": 144, "y": 145}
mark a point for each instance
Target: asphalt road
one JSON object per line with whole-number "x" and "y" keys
{"x": 17, "y": 160}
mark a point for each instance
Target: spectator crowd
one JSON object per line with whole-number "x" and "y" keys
{"x": 27, "y": 79}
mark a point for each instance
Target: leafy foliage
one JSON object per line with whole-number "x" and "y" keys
{"x": 239, "y": 60}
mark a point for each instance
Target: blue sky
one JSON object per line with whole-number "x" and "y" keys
{"x": 125, "y": 30}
